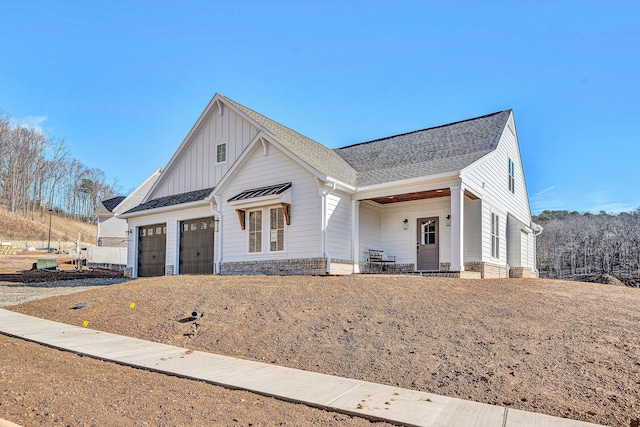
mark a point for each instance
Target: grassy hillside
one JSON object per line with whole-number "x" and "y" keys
{"x": 21, "y": 231}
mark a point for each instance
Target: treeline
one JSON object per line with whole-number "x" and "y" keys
{"x": 574, "y": 244}
{"x": 38, "y": 174}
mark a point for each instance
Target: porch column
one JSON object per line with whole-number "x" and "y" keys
{"x": 355, "y": 235}
{"x": 457, "y": 227}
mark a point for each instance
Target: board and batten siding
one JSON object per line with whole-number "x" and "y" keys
{"x": 172, "y": 221}
{"x": 303, "y": 237}
{"x": 195, "y": 168}
{"x": 339, "y": 225}
{"x": 489, "y": 175}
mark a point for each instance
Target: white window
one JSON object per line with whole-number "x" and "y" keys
{"x": 221, "y": 153}
{"x": 276, "y": 229}
{"x": 255, "y": 231}
{"x": 512, "y": 176}
{"x": 495, "y": 236}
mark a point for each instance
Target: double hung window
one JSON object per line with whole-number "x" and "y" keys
{"x": 495, "y": 236}
{"x": 275, "y": 232}
{"x": 512, "y": 176}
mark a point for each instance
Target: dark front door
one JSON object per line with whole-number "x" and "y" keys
{"x": 152, "y": 248}
{"x": 196, "y": 246}
{"x": 427, "y": 251}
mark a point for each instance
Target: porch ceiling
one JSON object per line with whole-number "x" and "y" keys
{"x": 418, "y": 195}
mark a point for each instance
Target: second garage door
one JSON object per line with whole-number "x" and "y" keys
{"x": 196, "y": 246}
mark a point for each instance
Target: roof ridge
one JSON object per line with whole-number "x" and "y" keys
{"x": 422, "y": 130}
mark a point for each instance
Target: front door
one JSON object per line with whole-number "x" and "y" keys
{"x": 427, "y": 248}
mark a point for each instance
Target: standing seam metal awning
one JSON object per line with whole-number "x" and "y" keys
{"x": 260, "y": 192}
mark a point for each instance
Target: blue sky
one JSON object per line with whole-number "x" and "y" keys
{"x": 123, "y": 82}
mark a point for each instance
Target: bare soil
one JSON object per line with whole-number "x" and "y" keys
{"x": 567, "y": 349}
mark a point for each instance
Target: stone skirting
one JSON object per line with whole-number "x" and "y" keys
{"x": 285, "y": 267}
{"x": 487, "y": 270}
{"x": 117, "y": 267}
{"x": 373, "y": 268}
{"x": 522, "y": 273}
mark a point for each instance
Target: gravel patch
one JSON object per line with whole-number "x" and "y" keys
{"x": 20, "y": 293}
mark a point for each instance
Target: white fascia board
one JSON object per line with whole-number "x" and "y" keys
{"x": 399, "y": 187}
{"x": 196, "y": 204}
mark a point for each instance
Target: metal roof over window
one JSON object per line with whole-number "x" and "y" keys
{"x": 261, "y": 192}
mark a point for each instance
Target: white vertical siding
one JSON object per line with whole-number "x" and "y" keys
{"x": 339, "y": 225}
{"x": 196, "y": 167}
{"x": 303, "y": 238}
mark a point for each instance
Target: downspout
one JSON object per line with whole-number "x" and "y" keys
{"x": 218, "y": 260}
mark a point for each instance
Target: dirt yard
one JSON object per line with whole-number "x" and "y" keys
{"x": 562, "y": 348}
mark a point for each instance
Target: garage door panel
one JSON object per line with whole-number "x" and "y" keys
{"x": 152, "y": 248}
{"x": 196, "y": 246}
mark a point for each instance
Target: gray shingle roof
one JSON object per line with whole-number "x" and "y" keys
{"x": 321, "y": 158}
{"x": 108, "y": 205}
{"x": 176, "y": 199}
{"x": 440, "y": 149}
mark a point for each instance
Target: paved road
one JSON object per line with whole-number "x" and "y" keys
{"x": 19, "y": 293}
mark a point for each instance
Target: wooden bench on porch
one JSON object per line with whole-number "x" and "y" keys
{"x": 377, "y": 256}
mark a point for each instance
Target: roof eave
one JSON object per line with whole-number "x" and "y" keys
{"x": 439, "y": 176}
{"x": 163, "y": 209}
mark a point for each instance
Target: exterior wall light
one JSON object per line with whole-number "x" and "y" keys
{"x": 448, "y": 222}
{"x": 405, "y": 224}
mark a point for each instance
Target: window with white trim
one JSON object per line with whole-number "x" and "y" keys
{"x": 276, "y": 229}
{"x": 221, "y": 153}
{"x": 495, "y": 236}
{"x": 255, "y": 231}
{"x": 512, "y": 176}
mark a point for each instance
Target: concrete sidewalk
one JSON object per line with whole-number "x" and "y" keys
{"x": 354, "y": 397}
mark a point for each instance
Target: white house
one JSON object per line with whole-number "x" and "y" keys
{"x": 244, "y": 194}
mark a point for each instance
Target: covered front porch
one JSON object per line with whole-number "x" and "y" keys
{"x": 429, "y": 232}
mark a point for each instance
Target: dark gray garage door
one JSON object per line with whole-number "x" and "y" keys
{"x": 196, "y": 246}
{"x": 152, "y": 248}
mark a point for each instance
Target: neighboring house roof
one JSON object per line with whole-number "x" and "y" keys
{"x": 436, "y": 150}
{"x": 176, "y": 199}
{"x": 108, "y": 205}
{"x": 316, "y": 155}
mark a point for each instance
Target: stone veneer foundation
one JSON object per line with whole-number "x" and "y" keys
{"x": 302, "y": 266}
